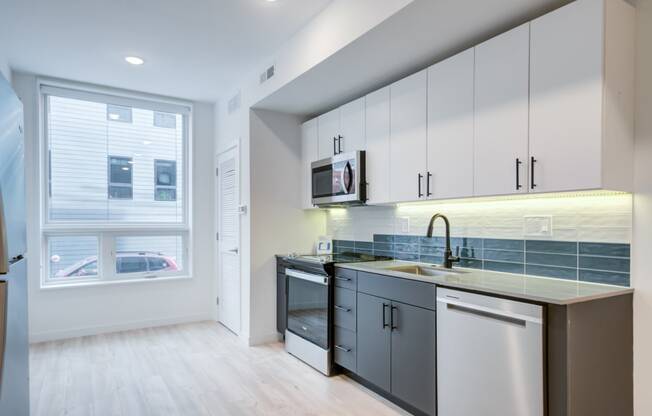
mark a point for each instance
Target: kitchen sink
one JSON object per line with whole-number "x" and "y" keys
{"x": 422, "y": 270}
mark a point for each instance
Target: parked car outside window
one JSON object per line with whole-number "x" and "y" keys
{"x": 126, "y": 262}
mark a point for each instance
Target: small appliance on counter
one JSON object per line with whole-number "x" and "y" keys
{"x": 324, "y": 245}
{"x": 309, "y": 305}
{"x": 339, "y": 180}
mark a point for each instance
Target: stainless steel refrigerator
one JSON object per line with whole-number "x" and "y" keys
{"x": 14, "y": 347}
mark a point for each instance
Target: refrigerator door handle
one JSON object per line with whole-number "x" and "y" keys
{"x": 4, "y": 248}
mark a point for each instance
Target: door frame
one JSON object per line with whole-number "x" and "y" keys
{"x": 235, "y": 148}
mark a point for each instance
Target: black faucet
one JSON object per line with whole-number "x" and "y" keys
{"x": 448, "y": 254}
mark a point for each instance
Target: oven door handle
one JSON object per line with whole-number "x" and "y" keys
{"x": 315, "y": 278}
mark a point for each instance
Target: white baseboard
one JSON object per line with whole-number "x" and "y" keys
{"x": 105, "y": 329}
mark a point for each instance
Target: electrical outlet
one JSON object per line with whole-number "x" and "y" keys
{"x": 537, "y": 226}
{"x": 404, "y": 224}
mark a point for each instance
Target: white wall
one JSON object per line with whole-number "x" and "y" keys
{"x": 4, "y": 65}
{"x": 337, "y": 25}
{"x": 642, "y": 222}
{"x": 278, "y": 226}
{"x": 65, "y": 312}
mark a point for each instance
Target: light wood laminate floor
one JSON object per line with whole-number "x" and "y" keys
{"x": 194, "y": 369}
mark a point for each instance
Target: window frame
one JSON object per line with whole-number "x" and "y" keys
{"x": 106, "y": 231}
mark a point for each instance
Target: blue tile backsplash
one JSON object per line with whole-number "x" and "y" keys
{"x": 583, "y": 261}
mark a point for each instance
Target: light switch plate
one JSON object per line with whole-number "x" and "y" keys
{"x": 537, "y": 226}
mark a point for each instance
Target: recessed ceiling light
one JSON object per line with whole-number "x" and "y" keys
{"x": 134, "y": 60}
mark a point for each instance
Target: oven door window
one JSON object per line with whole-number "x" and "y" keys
{"x": 308, "y": 310}
{"x": 322, "y": 181}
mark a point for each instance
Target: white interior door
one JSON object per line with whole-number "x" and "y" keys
{"x": 228, "y": 191}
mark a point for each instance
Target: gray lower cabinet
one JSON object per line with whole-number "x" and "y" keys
{"x": 281, "y": 303}
{"x": 396, "y": 350}
{"x": 374, "y": 340}
{"x": 413, "y": 356}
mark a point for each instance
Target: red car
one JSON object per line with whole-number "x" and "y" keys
{"x": 126, "y": 262}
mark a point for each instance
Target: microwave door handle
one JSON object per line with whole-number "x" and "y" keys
{"x": 4, "y": 247}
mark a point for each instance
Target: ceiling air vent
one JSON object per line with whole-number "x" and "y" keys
{"x": 234, "y": 103}
{"x": 267, "y": 74}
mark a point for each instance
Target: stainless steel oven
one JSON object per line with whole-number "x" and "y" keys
{"x": 308, "y": 333}
{"x": 339, "y": 180}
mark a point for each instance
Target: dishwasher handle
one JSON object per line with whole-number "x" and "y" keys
{"x": 492, "y": 313}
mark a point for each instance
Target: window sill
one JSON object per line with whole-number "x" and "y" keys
{"x": 95, "y": 283}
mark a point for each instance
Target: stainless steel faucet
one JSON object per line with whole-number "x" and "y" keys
{"x": 449, "y": 259}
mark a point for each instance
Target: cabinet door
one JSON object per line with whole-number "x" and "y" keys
{"x": 377, "y": 127}
{"x": 450, "y": 127}
{"x": 501, "y": 113}
{"x": 281, "y": 303}
{"x": 352, "y": 126}
{"x": 566, "y": 64}
{"x": 413, "y": 356}
{"x": 329, "y": 129}
{"x": 408, "y": 120}
{"x": 309, "y": 154}
{"x": 374, "y": 340}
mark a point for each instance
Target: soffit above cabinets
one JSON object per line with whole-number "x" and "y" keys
{"x": 422, "y": 33}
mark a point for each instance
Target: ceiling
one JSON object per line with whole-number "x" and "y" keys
{"x": 419, "y": 35}
{"x": 192, "y": 49}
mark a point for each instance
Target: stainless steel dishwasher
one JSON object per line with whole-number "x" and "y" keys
{"x": 489, "y": 356}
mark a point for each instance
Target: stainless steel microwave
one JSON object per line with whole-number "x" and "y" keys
{"x": 339, "y": 180}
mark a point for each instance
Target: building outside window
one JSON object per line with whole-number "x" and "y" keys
{"x": 120, "y": 178}
{"x": 115, "y": 201}
{"x": 166, "y": 180}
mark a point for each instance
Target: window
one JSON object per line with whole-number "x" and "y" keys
{"x": 166, "y": 180}
{"x": 115, "y": 201}
{"x": 118, "y": 113}
{"x": 120, "y": 178}
{"x": 165, "y": 120}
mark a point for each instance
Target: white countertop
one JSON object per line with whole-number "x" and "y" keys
{"x": 533, "y": 288}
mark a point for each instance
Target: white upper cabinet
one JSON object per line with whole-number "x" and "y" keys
{"x": 408, "y": 119}
{"x": 545, "y": 107}
{"x": 352, "y": 126}
{"x": 377, "y": 143}
{"x": 450, "y": 127}
{"x": 501, "y": 113}
{"x": 309, "y": 153}
{"x": 581, "y": 97}
{"x": 342, "y": 130}
{"x": 329, "y": 129}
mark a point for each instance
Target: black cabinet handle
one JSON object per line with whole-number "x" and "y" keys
{"x": 518, "y": 178}
{"x": 346, "y": 279}
{"x": 339, "y": 144}
{"x": 532, "y": 162}
{"x": 334, "y": 146}
{"x": 342, "y": 308}
{"x": 419, "y": 178}
{"x": 428, "y": 176}
{"x": 385, "y": 305}
{"x": 394, "y": 308}
{"x": 341, "y": 348}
